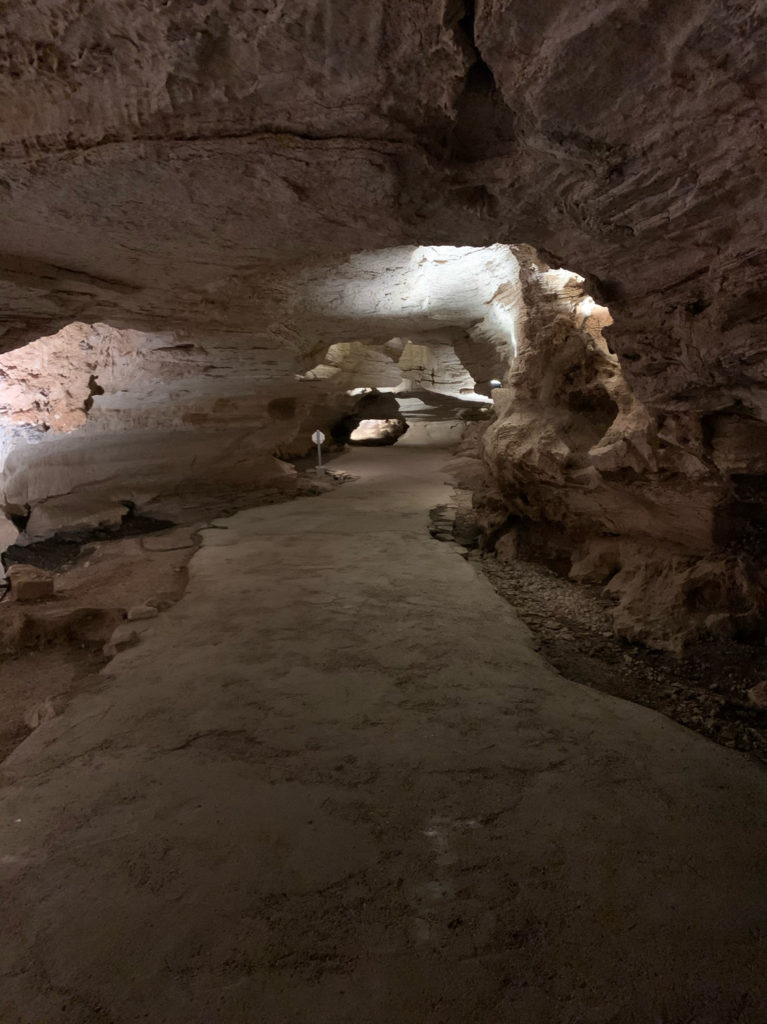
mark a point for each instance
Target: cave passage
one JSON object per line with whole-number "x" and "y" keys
{"x": 375, "y": 420}
{"x": 340, "y": 747}
{"x": 322, "y": 757}
{"x": 94, "y": 418}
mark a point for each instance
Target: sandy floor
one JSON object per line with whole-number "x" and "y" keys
{"x": 336, "y": 784}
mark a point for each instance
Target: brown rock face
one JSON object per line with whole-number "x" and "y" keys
{"x": 30, "y": 584}
{"x": 605, "y": 489}
{"x": 235, "y": 189}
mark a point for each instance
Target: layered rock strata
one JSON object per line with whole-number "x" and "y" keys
{"x": 618, "y": 492}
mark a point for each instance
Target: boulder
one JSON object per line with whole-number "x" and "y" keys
{"x": 29, "y": 583}
{"x": 39, "y": 713}
{"x": 507, "y": 547}
{"x": 124, "y": 636}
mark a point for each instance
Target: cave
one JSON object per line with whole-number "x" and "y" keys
{"x": 383, "y": 512}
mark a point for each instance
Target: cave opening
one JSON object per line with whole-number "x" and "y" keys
{"x": 443, "y": 329}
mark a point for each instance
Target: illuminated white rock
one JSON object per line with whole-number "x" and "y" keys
{"x": 377, "y": 431}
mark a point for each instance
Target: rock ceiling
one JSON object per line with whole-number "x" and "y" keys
{"x": 172, "y": 165}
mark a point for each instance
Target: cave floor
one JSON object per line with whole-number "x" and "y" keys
{"x": 335, "y": 783}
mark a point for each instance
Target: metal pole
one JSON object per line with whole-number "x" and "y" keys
{"x": 318, "y": 437}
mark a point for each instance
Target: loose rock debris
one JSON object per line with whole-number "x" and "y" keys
{"x": 718, "y": 688}
{"x": 714, "y": 688}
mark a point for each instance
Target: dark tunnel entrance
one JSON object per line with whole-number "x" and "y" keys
{"x": 374, "y": 421}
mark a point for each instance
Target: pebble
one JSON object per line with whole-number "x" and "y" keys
{"x": 757, "y": 695}
{"x": 39, "y": 713}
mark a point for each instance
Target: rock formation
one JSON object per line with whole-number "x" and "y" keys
{"x": 202, "y": 202}
{"x": 613, "y": 491}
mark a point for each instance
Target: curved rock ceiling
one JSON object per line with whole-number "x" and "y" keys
{"x": 151, "y": 412}
{"x": 237, "y": 187}
{"x": 166, "y": 163}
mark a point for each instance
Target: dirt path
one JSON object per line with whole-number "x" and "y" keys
{"x": 335, "y": 784}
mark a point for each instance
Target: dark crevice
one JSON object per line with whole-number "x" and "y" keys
{"x": 94, "y": 389}
{"x": 43, "y": 145}
{"x": 484, "y": 125}
{"x": 696, "y": 307}
{"x": 20, "y": 519}
{"x": 459, "y": 18}
{"x": 466, "y": 25}
{"x": 740, "y": 521}
{"x": 64, "y": 548}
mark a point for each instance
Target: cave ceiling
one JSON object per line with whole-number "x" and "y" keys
{"x": 177, "y": 166}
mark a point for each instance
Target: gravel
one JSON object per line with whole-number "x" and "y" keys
{"x": 705, "y": 689}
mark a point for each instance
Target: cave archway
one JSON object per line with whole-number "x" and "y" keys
{"x": 374, "y": 421}
{"x": 95, "y": 416}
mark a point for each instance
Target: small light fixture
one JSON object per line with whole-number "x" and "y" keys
{"x": 495, "y": 383}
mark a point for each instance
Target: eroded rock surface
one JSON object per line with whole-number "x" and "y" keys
{"x": 613, "y": 490}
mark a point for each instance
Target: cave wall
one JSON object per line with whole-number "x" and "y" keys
{"x": 163, "y": 165}
{"x": 95, "y": 421}
{"x": 586, "y": 477}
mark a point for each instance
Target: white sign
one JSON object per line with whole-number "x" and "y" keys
{"x": 318, "y": 437}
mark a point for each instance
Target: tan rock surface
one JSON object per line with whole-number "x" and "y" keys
{"x": 29, "y": 583}
{"x": 624, "y": 140}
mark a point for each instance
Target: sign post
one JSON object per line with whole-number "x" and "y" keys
{"x": 318, "y": 437}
